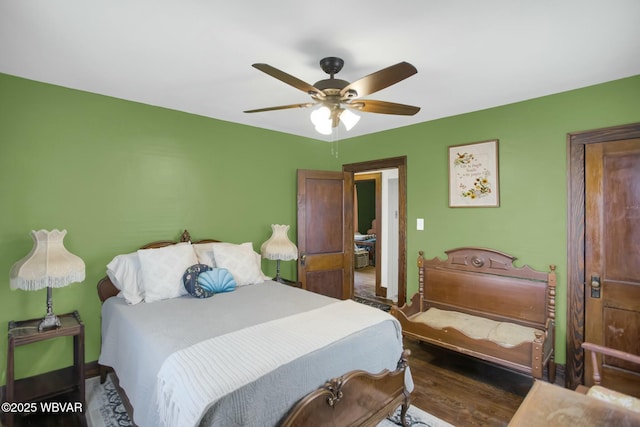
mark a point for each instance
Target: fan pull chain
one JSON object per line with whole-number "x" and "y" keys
{"x": 334, "y": 143}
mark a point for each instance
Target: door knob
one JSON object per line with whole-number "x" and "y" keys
{"x": 595, "y": 286}
{"x": 303, "y": 258}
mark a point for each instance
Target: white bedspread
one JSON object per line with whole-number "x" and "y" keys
{"x": 192, "y": 379}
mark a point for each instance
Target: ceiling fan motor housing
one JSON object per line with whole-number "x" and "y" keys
{"x": 331, "y": 65}
{"x": 331, "y": 87}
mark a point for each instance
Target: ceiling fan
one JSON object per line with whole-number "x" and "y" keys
{"x": 337, "y": 97}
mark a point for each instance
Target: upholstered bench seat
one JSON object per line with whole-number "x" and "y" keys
{"x": 614, "y": 397}
{"x": 505, "y": 334}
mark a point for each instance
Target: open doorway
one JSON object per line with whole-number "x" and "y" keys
{"x": 389, "y": 257}
{"x": 367, "y": 226}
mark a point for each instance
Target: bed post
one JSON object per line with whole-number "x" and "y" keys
{"x": 551, "y": 308}
{"x": 402, "y": 365}
{"x": 421, "y": 279}
{"x": 551, "y": 303}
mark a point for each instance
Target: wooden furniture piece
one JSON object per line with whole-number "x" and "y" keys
{"x": 354, "y": 399}
{"x": 609, "y": 388}
{"x": 371, "y": 248}
{"x": 607, "y": 352}
{"x": 31, "y": 390}
{"x": 359, "y": 398}
{"x": 484, "y": 283}
{"x": 550, "y": 405}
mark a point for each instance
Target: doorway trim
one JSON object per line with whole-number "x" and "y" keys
{"x": 576, "y": 142}
{"x": 399, "y": 163}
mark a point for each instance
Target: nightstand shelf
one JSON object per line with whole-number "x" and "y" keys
{"x": 45, "y": 386}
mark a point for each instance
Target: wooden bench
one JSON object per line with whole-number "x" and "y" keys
{"x": 478, "y": 303}
{"x": 626, "y": 393}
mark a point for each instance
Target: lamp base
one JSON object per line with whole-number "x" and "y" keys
{"x": 49, "y": 322}
{"x": 278, "y": 278}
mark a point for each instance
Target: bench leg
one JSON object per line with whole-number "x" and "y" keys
{"x": 552, "y": 370}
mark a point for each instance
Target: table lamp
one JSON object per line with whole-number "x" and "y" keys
{"x": 48, "y": 265}
{"x": 279, "y": 247}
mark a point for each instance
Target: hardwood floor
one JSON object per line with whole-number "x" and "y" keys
{"x": 364, "y": 281}
{"x": 462, "y": 390}
{"x": 364, "y": 285}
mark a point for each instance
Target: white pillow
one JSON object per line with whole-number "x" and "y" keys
{"x": 126, "y": 275}
{"x": 204, "y": 252}
{"x": 163, "y": 268}
{"x": 241, "y": 261}
{"x": 259, "y": 261}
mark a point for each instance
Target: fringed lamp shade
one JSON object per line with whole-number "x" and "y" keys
{"x": 48, "y": 265}
{"x": 279, "y": 247}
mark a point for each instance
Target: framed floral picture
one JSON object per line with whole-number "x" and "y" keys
{"x": 473, "y": 175}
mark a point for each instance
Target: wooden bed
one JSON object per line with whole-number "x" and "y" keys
{"x": 357, "y": 398}
{"x": 476, "y": 288}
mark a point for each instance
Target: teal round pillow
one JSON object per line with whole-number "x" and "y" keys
{"x": 190, "y": 281}
{"x": 216, "y": 280}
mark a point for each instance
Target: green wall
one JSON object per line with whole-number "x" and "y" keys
{"x": 531, "y": 222}
{"x": 366, "y": 204}
{"x": 116, "y": 174}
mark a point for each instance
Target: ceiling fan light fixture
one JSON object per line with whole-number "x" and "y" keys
{"x": 324, "y": 129}
{"x": 349, "y": 119}
{"x": 321, "y": 119}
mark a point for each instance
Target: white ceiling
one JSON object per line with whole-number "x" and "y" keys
{"x": 196, "y": 55}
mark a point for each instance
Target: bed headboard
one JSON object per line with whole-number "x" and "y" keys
{"x": 106, "y": 289}
{"x": 484, "y": 282}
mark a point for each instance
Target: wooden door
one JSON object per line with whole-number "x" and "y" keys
{"x": 325, "y": 232}
{"x": 612, "y": 259}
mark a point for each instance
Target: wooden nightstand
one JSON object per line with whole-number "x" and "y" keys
{"x": 38, "y": 388}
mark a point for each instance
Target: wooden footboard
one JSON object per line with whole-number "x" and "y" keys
{"x": 485, "y": 283}
{"x": 357, "y": 398}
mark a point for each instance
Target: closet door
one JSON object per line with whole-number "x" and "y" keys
{"x": 612, "y": 259}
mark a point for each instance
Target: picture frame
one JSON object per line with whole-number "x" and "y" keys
{"x": 473, "y": 175}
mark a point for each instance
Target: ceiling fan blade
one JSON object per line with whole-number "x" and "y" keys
{"x": 282, "y": 107}
{"x": 380, "y": 79}
{"x": 383, "y": 107}
{"x": 288, "y": 79}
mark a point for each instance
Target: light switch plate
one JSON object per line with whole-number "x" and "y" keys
{"x": 420, "y": 224}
